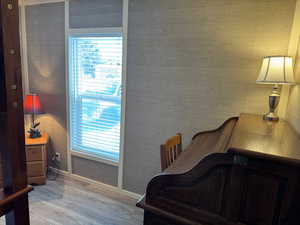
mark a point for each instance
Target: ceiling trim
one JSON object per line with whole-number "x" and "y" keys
{"x": 39, "y": 2}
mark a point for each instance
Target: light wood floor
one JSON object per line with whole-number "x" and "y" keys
{"x": 70, "y": 202}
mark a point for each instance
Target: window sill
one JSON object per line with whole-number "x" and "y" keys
{"x": 94, "y": 158}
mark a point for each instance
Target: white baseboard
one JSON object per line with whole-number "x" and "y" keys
{"x": 99, "y": 184}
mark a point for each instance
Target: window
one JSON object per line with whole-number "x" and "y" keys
{"x": 95, "y": 94}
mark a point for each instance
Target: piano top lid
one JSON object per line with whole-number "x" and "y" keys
{"x": 265, "y": 139}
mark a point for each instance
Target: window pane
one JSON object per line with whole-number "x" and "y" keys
{"x": 95, "y": 90}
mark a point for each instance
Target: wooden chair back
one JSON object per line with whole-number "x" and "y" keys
{"x": 170, "y": 151}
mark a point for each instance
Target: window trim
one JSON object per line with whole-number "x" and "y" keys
{"x": 93, "y": 32}
{"x": 77, "y": 32}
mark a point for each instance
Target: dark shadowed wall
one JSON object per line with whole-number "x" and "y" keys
{"x": 46, "y": 59}
{"x": 293, "y": 112}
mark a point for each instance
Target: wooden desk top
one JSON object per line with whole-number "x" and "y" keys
{"x": 37, "y": 141}
{"x": 254, "y": 136}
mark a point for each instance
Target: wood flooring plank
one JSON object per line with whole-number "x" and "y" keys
{"x": 66, "y": 201}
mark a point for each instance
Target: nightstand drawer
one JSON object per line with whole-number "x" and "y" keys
{"x": 34, "y": 153}
{"x": 35, "y": 169}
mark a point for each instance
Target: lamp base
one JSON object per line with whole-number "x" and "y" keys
{"x": 34, "y": 133}
{"x": 273, "y": 103}
{"x": 271, "y": 117}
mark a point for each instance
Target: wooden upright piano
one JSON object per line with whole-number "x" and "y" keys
{"x": 14, "y": 190}
{"x": 245, "y": 172}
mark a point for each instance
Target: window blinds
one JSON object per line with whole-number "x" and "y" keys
{"x": 95, "y": 94}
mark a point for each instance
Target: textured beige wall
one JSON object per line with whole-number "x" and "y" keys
{"x": 191, "y": 65}
{"x": 293, "y": 110}
{"x": 46, "y": 67}
{"x": 95, "y": 13}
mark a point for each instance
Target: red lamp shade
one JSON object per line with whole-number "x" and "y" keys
{"x": 32, "y": 104}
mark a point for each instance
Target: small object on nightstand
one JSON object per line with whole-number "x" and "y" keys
{"x": 36, "y": 159}
{"x": 33, "y": 106}
{"x": 276, "y": 70}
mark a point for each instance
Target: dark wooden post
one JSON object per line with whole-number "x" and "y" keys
{"x": 11, "y": 118}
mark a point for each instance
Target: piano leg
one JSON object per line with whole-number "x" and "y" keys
{"x": 20, "y": 213}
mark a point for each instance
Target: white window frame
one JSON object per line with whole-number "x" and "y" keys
{"x": 93, "y": 32}
{"x": 124, "y": 30}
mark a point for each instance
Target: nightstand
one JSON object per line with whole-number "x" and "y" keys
{"x": 36, "y": 159}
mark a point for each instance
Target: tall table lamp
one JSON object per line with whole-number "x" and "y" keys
{"x": 276, "y": 70}
{"x": 32, "y": 106}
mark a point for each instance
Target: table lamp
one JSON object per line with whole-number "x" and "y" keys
{"x": 276, "y": 70}
{"x": 33, "y": 106}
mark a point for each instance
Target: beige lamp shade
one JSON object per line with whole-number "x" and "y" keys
{"x": 276, "y": 70}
